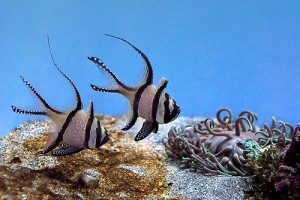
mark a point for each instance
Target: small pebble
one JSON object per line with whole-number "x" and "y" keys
{"x": 88, "y": 180}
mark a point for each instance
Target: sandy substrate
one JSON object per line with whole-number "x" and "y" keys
{"x": 122, "y": 168}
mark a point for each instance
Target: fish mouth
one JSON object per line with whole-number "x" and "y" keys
{"x": 179, "y": 110}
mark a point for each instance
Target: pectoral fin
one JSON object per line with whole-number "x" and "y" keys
{"x": 147, "y": 128}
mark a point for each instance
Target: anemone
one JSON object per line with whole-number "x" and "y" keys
{"x": 223, "y": 146}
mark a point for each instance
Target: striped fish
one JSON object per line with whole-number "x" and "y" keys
{"x": 75, "y": 129}
{"x": 147, "y": 101}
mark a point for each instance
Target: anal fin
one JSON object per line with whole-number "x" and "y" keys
{"x": 66, "y": 150}
{"x": 146, "y": 129}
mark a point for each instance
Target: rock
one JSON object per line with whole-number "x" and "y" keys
{"x": 88, "y": 180}
{"x": 135, "y": 169}
{"x": 122, "y": 168}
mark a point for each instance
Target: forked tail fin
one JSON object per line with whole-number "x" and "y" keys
{"x": 42, "y": 100}
{"x": 27, "y": 112}
{"x": 120, "y": 87}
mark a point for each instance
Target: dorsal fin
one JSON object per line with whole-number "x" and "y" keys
{"x": 90, "y": 110}
{"x": 78, "y": 99}
{"x": 148, "y": 75}
{"x": 42, "y": 100}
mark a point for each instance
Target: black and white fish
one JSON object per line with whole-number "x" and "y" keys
{"x": 147, "y": 101}
{"x": 75, "y": 129}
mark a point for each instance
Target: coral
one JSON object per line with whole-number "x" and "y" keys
{"x": 288, "y": 183}
{"x": 223, "y": 147}
{"x": 291, "y": 155}
{"x": 265, "y": 170}
{"x": 278, "y": 174}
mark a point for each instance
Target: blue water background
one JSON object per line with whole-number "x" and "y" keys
{"x": 243, "y": 55}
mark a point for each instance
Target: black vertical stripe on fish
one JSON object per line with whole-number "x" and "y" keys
{"x": 39, "y": 96}
{"x": 167, "y": 109}
{"x": 88, "y": 131}
{"x": 135, "y": 106}
{"x": 156, "y": 98}
{"x": 98, "y": 134}
{"x": 175, "y": 112}
{"x": 61, "y": 133}
{"x": 105, "y": 139}
{"x": 89, "y": 125}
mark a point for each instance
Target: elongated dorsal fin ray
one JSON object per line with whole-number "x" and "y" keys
{"x": 78, "y": 98}
{"x": 113, "y": 77}
{"x": 148, "y": 75}
{"x": 42, "y": 100}
{"x": 135, "y": 106}
{"x": 21, "y": 111}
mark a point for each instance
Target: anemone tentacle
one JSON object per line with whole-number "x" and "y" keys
{"x": 226, "y": 118}
{"x": 238, "y": 123}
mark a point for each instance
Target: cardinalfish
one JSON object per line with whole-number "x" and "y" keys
{"x": 75, "y": 129}
{"x": 147, "y": 101}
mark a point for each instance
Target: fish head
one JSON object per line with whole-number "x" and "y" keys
{"x": 171, "y": 108}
